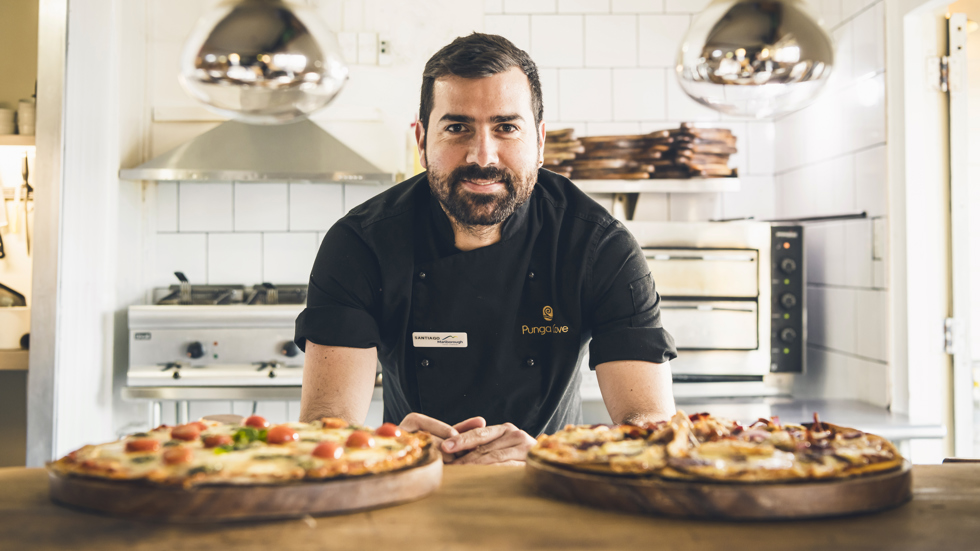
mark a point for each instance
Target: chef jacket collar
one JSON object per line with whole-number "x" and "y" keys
{"x": 444, "y": 228}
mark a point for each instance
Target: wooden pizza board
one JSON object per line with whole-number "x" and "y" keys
{"x": 230, "y": 502}
{"x": 719, "y": 500}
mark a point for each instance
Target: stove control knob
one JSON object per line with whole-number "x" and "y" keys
{"x": 788, "y": 335}
{"x": 788, "y": 265}
{"x": 195, "y": 350}
{"x": 788, "y": 300}
{"x": 289, "y": 349}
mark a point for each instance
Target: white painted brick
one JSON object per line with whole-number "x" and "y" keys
{"x": 857, "y": 253}
{"x": 872, "y": 324}
{"x": 612, "y": 128}
{"x": 287, "y": 258}
{"x": 865, "y": 107}
{"x": 205, "y": 206}
{"x": 610, "y": 41}
{"x": 353, "y": 15}
{"x": 261, "y": 207}
{"x": 583, "y": 6}
{"x": 842, "y": 73}
{"x": 315, "y": 206}
{"x": 870, "y": 181}
{"x": 355, "y": 194}
{"x": 332, "y": 13}
{"x": 880, "y": 275}
{"x": 585, "y": 94}
{"x": 179, "y": 252}
{"x": 652, "y": 207}
{"x": 694, "y": 207}
{"x": 829, "y": 11}
{"x": 760, "y": 143}
{"x": 639, "y": 94}
{"x": 869, "y": 41}
{"x": 680, "y": 107}
{"x": 493, "y": 6}
{"x": 530, "y": 6}
{"x": 756, "y": 198}
{"x": 660, "y": 39}
{"x": 166, "y": 206}
{"x": 558, "y": 40}
{"x": 840, "y": 319}
{"x": 685, "y": 6}
{"x": 516, "y": 28}
{"x": 235, "y": 258}
{"x": 637, "y": 6}
{"x": 549, "y": 93}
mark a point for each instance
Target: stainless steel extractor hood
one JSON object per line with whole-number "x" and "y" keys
{"x": 235, "y": 151}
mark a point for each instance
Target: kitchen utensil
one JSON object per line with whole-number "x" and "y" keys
{"x": 755, "y": 58}
{"x": 270, "y": 501}
{"x": 262, "y": 61}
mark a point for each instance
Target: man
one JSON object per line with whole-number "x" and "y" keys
{"x": 479, "y": 282}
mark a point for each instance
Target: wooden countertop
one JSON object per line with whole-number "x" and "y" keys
{"x": 490, "y": 508}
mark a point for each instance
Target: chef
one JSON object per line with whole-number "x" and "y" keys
{"x": 480, "y": 283}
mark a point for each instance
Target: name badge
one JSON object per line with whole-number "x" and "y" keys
{"x": 439, "y": 340}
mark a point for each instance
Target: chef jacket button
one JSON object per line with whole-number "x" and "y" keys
{"x": 424, "y": 362}
{"x": 421, "y": 275}
{"x": 530, "y": 275}
{"x": 530, "y": 362}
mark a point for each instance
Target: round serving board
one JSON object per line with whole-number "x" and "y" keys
{"x": 264, "y": 501}
{"x": 720, "y": 500}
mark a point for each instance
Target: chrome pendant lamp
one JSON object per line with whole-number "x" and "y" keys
{"x": 755, "y": 58}
{"x": 262, "y": 61}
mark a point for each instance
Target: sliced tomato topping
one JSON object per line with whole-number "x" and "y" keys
{"x": 390, "y": 430}
{"x": 201, "y": 425}
{"x": 328, "y": 450}
{"x": 256, "y": 421}
{"x": 215, "y": 440}
{"x": 186, "y": 432}
{"x": 280, "y": 434}
{"x": 360, "y": 439}
{"x": 178, "y": 454}
{"x": 143, "y": 445}
{"x": 333, "y": 423}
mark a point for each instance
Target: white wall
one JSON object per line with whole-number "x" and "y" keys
{"x": 831, "y": 159}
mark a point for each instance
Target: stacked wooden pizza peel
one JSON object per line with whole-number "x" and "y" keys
{"x": 685, "y": 152}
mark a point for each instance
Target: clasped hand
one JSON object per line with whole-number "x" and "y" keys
{"x": 472, "y": 442}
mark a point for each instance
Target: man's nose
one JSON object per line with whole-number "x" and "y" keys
{"x": 483, "y": 149}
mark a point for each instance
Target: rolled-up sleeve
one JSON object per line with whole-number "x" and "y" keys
{"x": 625, "y": 306}
{"x": 344, "y": 293}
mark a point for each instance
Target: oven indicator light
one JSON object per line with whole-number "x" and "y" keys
{"x": 785, "y": 282}
{"x": 785, "y": 316}
{"x": 215, "y": 343}
{"x": 785, "y": 245}
{"x": 216, "y": 356}
{"x": 786, "y": 351}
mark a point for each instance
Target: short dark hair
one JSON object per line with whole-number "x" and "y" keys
{"x": 479, "y": 56}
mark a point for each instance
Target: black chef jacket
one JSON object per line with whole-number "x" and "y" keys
{"x": 564, "y": 272}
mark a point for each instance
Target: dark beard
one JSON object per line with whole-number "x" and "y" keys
{"x": 473, "y": 209}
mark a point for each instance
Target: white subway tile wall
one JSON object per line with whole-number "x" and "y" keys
{"x": 235, "y": 258}
{"x": 261, "y": 207}
{"x": 315, "y": 206}
{"x": 829, "y": 159}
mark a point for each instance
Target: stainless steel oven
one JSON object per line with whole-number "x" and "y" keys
{"x": 732, "y": 296}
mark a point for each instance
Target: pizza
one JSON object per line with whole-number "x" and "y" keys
{"x": 208, "y": 452}
{"x": 707, "y": 448}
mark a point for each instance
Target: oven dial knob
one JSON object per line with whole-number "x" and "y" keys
{"x": 788, "y": 334}
{"x": 788, "y": 300}
{"x": 289, "y": 349}
{"x": 195, "y": 350}
{"x": 787, "y": 265}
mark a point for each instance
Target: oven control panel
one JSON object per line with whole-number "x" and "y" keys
{"x": 788, "y": 339}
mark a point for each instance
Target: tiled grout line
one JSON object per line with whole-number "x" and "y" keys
{"x": 828, "y": 159}
{"x": 824, "y": 348}
{"x": 853, "y": 17}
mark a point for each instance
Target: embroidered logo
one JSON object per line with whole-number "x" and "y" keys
{"x": 548, "y": 313}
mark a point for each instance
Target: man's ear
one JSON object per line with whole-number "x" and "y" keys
{"x": 541, "y": 135}
{"x": 420, "y": 143}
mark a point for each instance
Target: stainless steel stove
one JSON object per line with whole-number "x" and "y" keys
{"x": 216, "y": 336}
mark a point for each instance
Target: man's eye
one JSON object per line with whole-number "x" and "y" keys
{"x": 455, "y": 128}
{"x": 508, "y": 128}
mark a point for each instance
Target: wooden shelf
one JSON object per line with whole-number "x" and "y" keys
{"x": 664, "y": 185}
{"x": 16, "y": 139}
